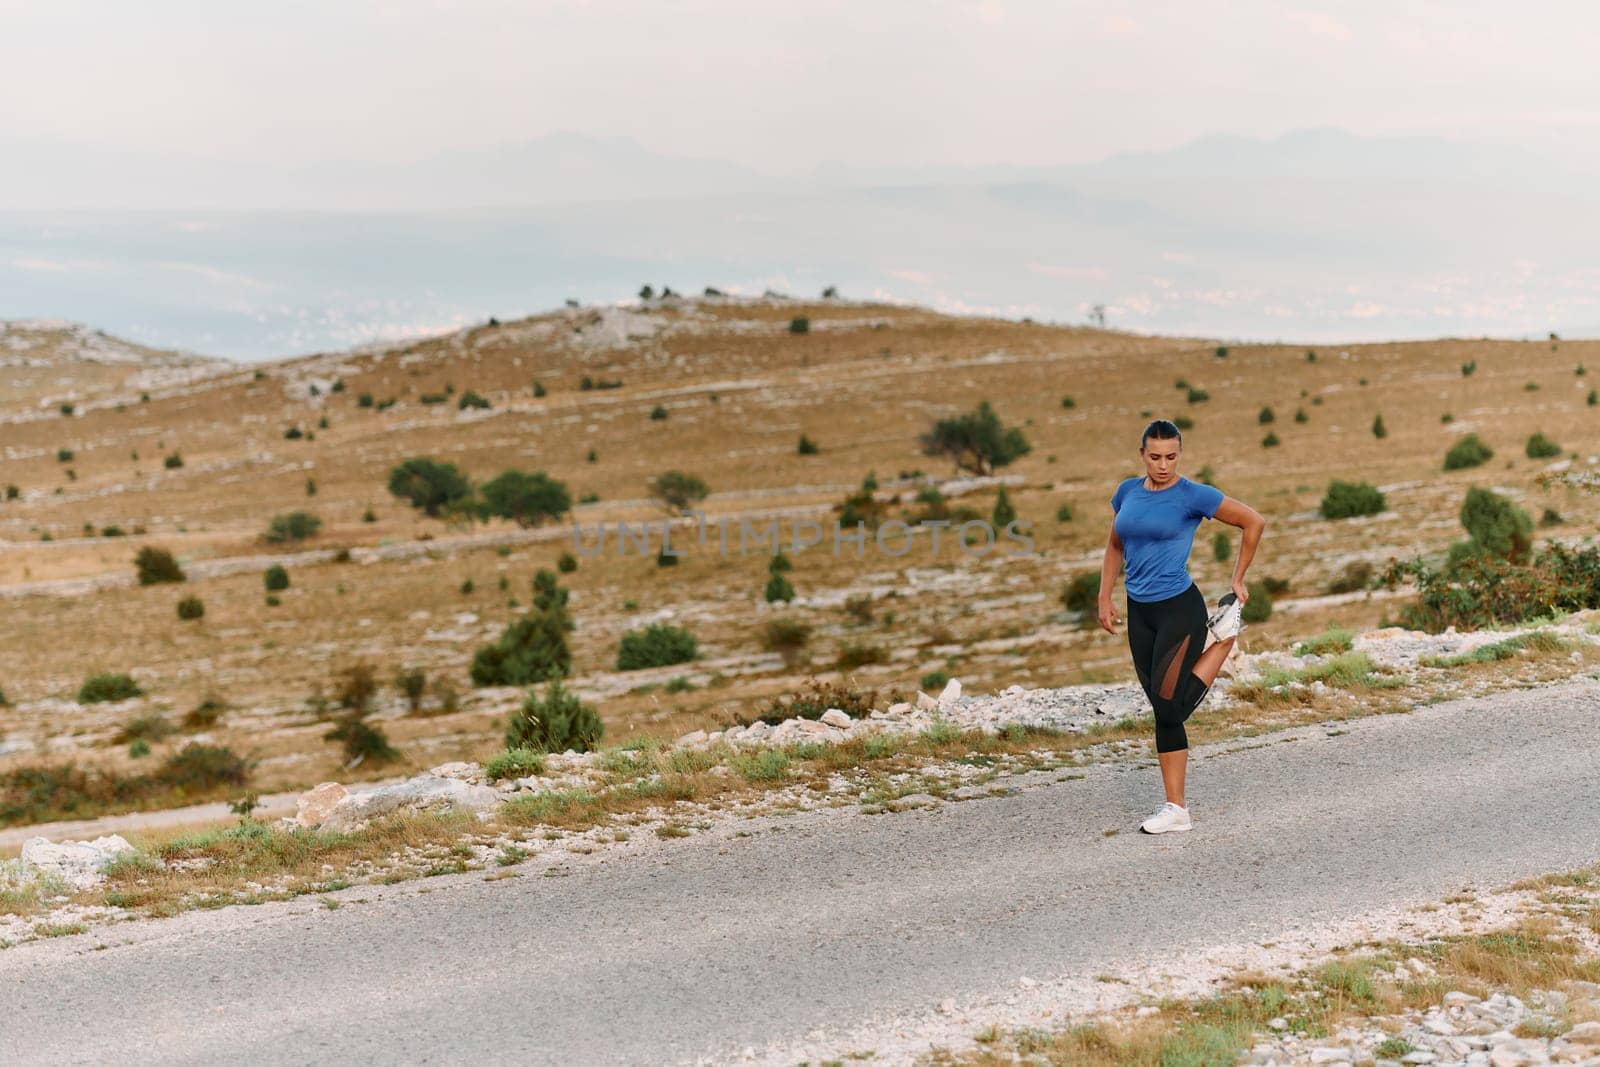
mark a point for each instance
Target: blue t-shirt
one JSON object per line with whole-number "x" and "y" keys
{"x": 1157, "y": 531}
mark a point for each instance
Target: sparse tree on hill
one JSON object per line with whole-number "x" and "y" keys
{"x": 429, "y": 485}
{"x": 975, "y": 441}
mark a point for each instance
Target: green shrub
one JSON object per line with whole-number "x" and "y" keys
{"x": 147, "y": 728}
{"x": 275, "y": 578}
{"x": 527, "y": 499}
{"x": 1541, "y": 447}
{"x": 566, "y": 563}
{"x": 1301, "y": 416}
{"x": 157, "y": 565}
{"x": 470, "y": 399}
{"x": 1222, "y": 351}
{"x": 556, "y": 723}
{"x": 1331, "y": 642}
{"x": 678, "y": 489}
{"x": 1467, "y": 452}
{"x": 787, "y": 637}
{"x": 1486, "y": 590}
{"x": 1183, "y": 422}
{"x": 853, "y": 654}
{"x": 293, "y": 433}
{"x": 975, "y": 441}
{"x": 191, "y": 608}
{"x": 657, "y": 645}
{"x": 364, "y": 400}
{"x": 1082, "y": 593}
{"x": 1551, "y": 517}
{"x": 1468, "y": 368}
{"x": 173, "y": 461}
{"x": 103, "y": 687}
{"x": 412, "y": 685}
{"x": 1497, "y": 526}
{"x": 1067, "y": 403}
{"x": 295, "y": 526}
{"x": 1265, "y": 416}
{"x": 1198, "y": 396}
{"x": 778, "y": 589}
{"x": 429, "y": 485}
{"x": 1270, "y": 441}
{"x": 814, "y": 700}
{"x": 800, "y": 324}
{"x": 204, "y": 715}
{"x": 1352, "y": 577}
{"x": 658, "y": 413}
{"x": 514, "y": 763}
{"x": 1259, "y": 607}
{"x": 933, "y": 680}
{"x": 139, "y": 748}
{"x": 63, "y": 455}
{"x": 356, "y": 687}
{"x": 362, "y": 741}
{"x": 1378, "y": 429}
{"x": 808, "y": 447}
{"x": 1221, "y": 547}
{"x": 1064, "y": 513}
{"x": 199, "y": 768}
{"x": 1348, "y": 499}
{"x": 533, "y": 647}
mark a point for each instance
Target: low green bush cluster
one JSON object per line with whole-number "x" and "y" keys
{"x": 556, "y": 722}
{"x": 100, "y": 688}
{"x": 657, "y": 645}
{"x": 59, "y": 791}
{"x": 1348, "y": 499}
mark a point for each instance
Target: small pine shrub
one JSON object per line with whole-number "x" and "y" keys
{"x": 1198, "y": 396}
{"x": 1593, "y": 398}
{"x": 808, "y": 447}
{"x": 1082, "y": 593}
{"x": 139, "y": 749}
{"x": 1347, "y": 499}
{"x": 657, "y": 645}
{"x": 800, "y": 324}
{"x": 1221, "y": 547}
{"x": 558, "y": 722}
{"x": 1541, "y": 447}
{"x": 1067, "y": 403}
{"x": 1222, "y": 351}
{"x": 364, "y": 400}
{"x": 191, "y": 608}
{"x": 1064, "y": 513}
{"x": 1270, "y": 441}
{"x": 778, "y": 588}
{"x": 566, "y": 563}
{"x": 1183, "y": 423}
{"x": 1301, "y": 416}
{"x": 467, "y": 587}
{"x": 539, "y": 389}
{"x": 1378, "y": 429}
{"x": 293, "y": 433}
{"x": 275, "y": 578}
{"x": 173, "y": 462}
{"x": 1468, "y": 368}
{"x": 1265, "y": 416}
{"x": 1467, "y": 452}
{"x": 470, "y": 399}
{"x": 63, "y": 455}
{"x": 658, "y": 413}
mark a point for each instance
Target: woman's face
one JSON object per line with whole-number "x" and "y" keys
{"x": 1161, "y": 460}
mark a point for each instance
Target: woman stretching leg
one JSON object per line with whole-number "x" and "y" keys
{"x": 1153, "y": 531}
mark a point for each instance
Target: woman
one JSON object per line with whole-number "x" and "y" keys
{"x": 1155, "y": 517}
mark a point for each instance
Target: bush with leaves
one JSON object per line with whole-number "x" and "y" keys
{"x": 678, "y": 490}
{"x": 1495, "y": 527}
{"x": 566, "y": 563}
{"x": 362, "y": 741}
{"x": 1221, "y": 547}
{"x": 787, "y": 637}
{"x": 975, "y": 441}
{"x": 800, "y": 324}
{"x": 191, "y": 608}
{"x": 815, "y": 698}
{"x": 531, "y": 648}
{"x": 1082, "y": 593}
{"x": 99, "y": 688}
{"x": 1379, "y": 430}
{"x": 412, "y": 685}
{"x": 557, "y": 722}
{"x": 1541, "y": 447}
{"x": 294, "y": 526}
{"x": 429, "y": 485}
{"x": 1349, "y": 499}
{"x": 657, "y": 645}
{"x": 275, "y": 578}
{"x": 1467, "y": 452}
{"x": 526, "y": 499}
{"x": 156, "y": 565}
{"x": 1004, "y": 514}
{"x": 808, "y": 447}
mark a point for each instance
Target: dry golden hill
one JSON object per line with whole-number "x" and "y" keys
{"x": 737, "y": 388}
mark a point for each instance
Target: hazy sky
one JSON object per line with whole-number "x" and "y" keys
{"x": 783, "y": 86}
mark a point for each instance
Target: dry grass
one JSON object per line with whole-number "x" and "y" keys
{"x": 862, "y": 384}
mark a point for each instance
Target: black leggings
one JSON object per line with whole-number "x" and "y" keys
{"x": 1167, "y": 637}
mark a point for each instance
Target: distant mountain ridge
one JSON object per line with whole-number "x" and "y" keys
{"x": 577, "y": 168}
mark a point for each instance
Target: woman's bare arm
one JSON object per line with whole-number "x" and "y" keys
{"x": 1237, "y": 513}
{"x": 1110, "y": 568}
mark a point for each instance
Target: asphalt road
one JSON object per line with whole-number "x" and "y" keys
{"x": 709, "y": 943}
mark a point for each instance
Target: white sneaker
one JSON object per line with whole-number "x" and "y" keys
{"x": 1228, "y": 619}
{"x": 1169, "y": 818}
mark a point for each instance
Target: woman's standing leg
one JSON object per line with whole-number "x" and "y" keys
{"x": 1177, "y": 687}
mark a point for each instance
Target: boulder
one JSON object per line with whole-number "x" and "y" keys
{"x": 836, "y": 717}
{"x": 314, "y": 804}
{"x": 414, "y": 794}
{"x": 951, "y": 693}
{"x": 1584, "y": 1034}
{"x": 80, "y": 863}
{"x": 926, "y": 702}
